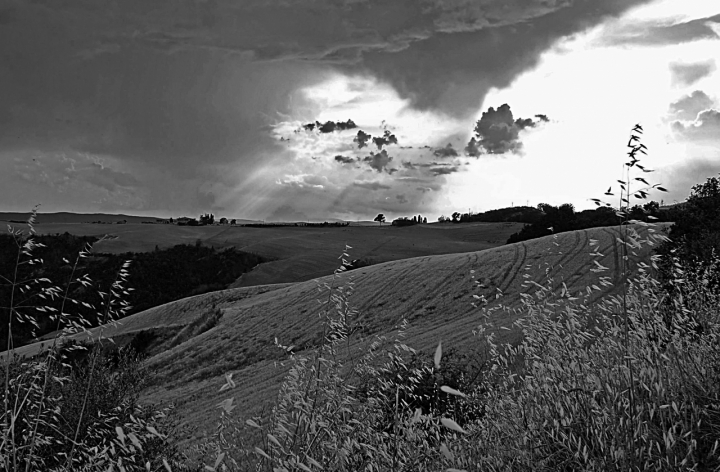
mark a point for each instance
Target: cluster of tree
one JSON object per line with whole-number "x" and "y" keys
{"x": 564, "y": 218}
{"x": 519, "y": 214}
{"x": 203, "y": 220}
{"x": 695, "y": 234}
{"x": 157, "y": 277}
{"x": 405, "y": 221}
{"x": 324, "y": 224}
{"x": 456, "y": 217}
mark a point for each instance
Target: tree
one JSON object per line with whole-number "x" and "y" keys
{"x": 232, "y": 222}
{"x": 443, "y": 219}
{"x": 696, "y": 232}
{"x": 380, "y": 218}
{"x": 425, "y": 220}
{"x": 456, "y": 217}
{"x": 415, "y": 219}
{"x": 652, "y": 208}
{"x": 223, "y": 221}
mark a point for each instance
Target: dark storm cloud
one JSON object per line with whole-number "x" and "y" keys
{"x": 687, "y": 74}
{"x": 660, "y": 33}
{"x": 371, "y": 185}
{"x": 287, "y": 213}
{"x": 453, "y": 72}
{"x": 401, "y": 199}
{"x": 108, "y": 178}
{"x": 705, "y": 128}
{"x": 497, "y": 131}
{"x": 474, "y": 45}
{"x": 187, "y": 89}
{"x": 688, "y": 107}
{"x": 86, "y": 76}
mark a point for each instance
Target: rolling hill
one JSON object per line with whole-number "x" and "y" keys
{"x": 299, "y": 253}
{"x": 433, "y": 293}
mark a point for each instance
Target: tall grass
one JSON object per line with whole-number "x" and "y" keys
{"x": 61, "y": 415}
{"x": 626, "y": 383}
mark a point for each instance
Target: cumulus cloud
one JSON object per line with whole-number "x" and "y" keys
{"x": 330, "y": 126}
{"x": 361, "y": 139}
{"x": 684, "y": 75}
{"x": 498, "y": 132}
{"x": 705, "y": 128}
{"x": 344, "y": 159}
{"x": 386, "y": 139}
{"x": 688, "y": 107}
{"x": 378, "y": 160}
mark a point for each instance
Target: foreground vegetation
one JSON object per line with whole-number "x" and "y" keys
{"x": 629, "y": 383}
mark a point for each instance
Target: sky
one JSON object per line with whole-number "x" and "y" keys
{"x": 182, "y": 107}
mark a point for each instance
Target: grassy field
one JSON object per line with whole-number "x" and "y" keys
{"x": 433, "y": 292}
{"x": 300, "y": 253}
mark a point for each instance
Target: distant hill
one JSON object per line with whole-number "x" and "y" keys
{"x": 64, "y": 217}
{"x": 73, "y": 218}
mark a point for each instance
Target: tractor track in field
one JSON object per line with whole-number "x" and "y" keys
{"x": 581, "y": 241}
{"x": 565, "y": 256}
{"x": 519, "y": 257}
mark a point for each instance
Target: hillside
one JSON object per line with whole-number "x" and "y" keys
{"x": 434, "y": 293}
{"x": 299, "y": 253}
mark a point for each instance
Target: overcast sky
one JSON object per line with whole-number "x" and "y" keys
{"x": 177, "y": 107}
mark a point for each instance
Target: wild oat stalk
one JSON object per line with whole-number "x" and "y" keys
{"x": 35, "y": 393}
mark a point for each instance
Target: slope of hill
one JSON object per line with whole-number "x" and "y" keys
{"x": 434, "y": 293}
{"x": 300, "y": 253}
